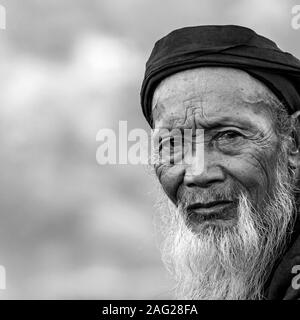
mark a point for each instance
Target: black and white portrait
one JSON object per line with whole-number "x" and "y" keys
{"x": 149, "y": 150}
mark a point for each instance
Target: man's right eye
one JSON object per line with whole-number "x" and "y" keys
{"x": 167, "y": 143}
{"x": 171, "y": 149}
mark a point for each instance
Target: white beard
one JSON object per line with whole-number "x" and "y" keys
{"x": 229, "y": 262}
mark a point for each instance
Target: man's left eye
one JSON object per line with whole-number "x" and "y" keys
{"x": 229, "y": 135}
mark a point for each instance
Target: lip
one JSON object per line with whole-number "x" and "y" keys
{"x": 207, "y": 205}
{"x": 211, "y": 210}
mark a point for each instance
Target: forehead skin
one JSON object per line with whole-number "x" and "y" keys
{"x": 212, "y": 95}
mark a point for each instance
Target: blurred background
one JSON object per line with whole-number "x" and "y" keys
{"x": 70, "y": 228}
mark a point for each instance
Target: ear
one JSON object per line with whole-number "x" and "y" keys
{"x": 294, "y": 145}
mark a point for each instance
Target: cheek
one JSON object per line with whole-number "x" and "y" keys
{"x": 254, "y": 171}
{"x": 171, "y": 177}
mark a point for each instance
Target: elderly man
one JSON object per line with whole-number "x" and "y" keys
{"x": 231, "y": 230}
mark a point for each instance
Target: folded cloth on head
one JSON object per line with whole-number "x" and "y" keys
{"x": 224, "y": 46}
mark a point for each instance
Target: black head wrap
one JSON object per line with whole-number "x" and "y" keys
{"x": 223, "y": 46}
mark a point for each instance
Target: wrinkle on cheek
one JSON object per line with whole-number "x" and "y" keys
{"x": 171, "y": 177}
{"x": 264, "y": 140}
{"x": 257, "y": 172}
{"x": 246, "y": 172}
{"x": 263, "y": 155}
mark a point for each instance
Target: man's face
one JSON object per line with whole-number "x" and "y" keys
{"x": 228, "y": 220}
{"x": 240, "y": 142}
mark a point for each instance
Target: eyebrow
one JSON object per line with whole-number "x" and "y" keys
{"x": 213, "y": 124}
{"x": 229, "y": 121}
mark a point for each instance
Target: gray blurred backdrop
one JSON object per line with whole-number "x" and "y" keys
{"x": 70, "y": 228}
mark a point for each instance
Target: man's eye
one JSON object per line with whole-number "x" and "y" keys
{"x": 171, "y": 149}
{"x": 171, "y": 143}
{"x": 228, "y": 135}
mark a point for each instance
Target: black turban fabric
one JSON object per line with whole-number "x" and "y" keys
{"x": 223, "y": 46}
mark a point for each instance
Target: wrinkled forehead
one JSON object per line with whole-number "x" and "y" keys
{"x": 212, "y": 91}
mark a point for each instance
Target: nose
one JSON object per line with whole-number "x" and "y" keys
{"x": 210, "y": 173}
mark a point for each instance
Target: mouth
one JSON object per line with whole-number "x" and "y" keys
{"x": 215, "y": 210}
